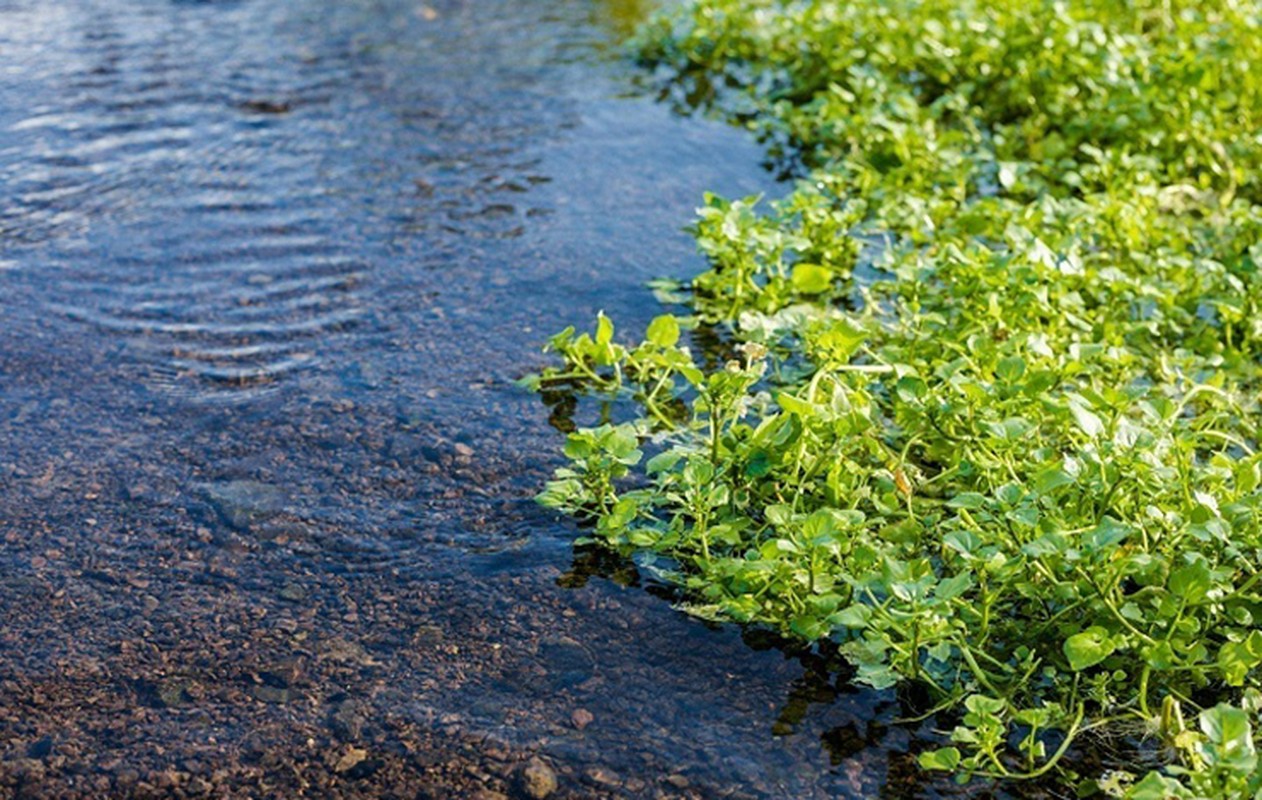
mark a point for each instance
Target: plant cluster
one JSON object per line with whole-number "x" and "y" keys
{"x": 988, "y": 410}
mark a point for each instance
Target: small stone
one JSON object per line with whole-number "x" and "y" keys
{"x": 167, "y": 779}
{"x": 678, "y": 781}
{"x": 350, "y": 759}
{"x": 581, "y": 718}
{"x": 293, "y": 592}
{"x": 347, "y": 720}
{"x": 347, "y": 652}
{"x": 243, "y": 503}
{"x": 568, "y": 663}
{"x": 270, "y": 694}
{"x": 285, "y": 673}
{"x": 538, "y": 780}
{"x": 428, "y": 635}
{"x": 603, "y": 776}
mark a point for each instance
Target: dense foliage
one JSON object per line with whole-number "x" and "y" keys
{"x": 988, "y": 410}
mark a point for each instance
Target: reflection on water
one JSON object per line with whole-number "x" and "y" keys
{"x": 267, "y": 272}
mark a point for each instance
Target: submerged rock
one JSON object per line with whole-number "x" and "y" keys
{"x": 350, "y": 759}
{"x": 242, "y": 503}
{"x": 537, "y": 780}
{"x": 347, "y": 719}
{"x": 568, "y": 663}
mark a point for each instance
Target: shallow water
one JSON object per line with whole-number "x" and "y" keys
{"x": 267, "y": 273}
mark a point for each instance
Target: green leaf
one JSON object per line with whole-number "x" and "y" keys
{"x": 878, "y": 676}
{"x": 759, "y": 464}
{"x": 794, "y": 405}
{"x": 953, "y": 587}
{"x": 663, "y": 462}
{"x": 1237, "y": 659}
{"x": 1051, "y": 479}
{"x": 945, "y": 759}
{"x": 985, "y": 706}
{"x": 1192, "y": 582}
{"x": 1106, "y": 535}
{"x": 663, "y": 331}
{"x": 1088, "y": 648}
{"x": 1234, "y": 662}
{"x": 1010, "y": 369}
{"x": 856, "y": 616}
{"x": 1230, "y": 735}
{"x": 968, "y": 500}
{"x": 811, "y": 278}
{"x": 1154, "y": 786}
{"x": 1087, "y": 421}
{"x": 911, "y": 389}
{"x": 604, "y": 329}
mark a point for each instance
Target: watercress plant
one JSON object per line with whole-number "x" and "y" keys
{"x": 987, "y": 410}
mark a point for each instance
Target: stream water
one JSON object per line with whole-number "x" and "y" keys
{"x": 267, "y": 273}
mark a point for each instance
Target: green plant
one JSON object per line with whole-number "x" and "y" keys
{"x": 990, "y": 415}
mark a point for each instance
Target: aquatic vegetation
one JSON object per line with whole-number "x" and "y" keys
{"x": 988, "y": 410}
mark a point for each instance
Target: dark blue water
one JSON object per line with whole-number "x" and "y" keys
{"x": 267, "y": 273}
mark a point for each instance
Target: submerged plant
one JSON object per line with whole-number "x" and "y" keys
{"x": 990, "y": 415}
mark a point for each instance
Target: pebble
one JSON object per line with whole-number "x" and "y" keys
{"x": 350, "y": 759}
{"x": 603, "y": 776}
{"x": 538, "y": 780}
{"x": 270, "y": 694}
{"x": 347, "y": 720}
{"x": 285, "y": 672}
{"x": 581, "y": 718}
{"x": 243, "y": 503}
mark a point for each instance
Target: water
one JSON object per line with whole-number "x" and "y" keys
{"x": 267, "y": 273}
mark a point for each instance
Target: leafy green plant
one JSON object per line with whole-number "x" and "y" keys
{"x": 1221, "y": 756}
{"x": 988, "y": 416}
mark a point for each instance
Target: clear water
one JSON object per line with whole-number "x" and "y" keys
{"x": 267, "y": 273}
